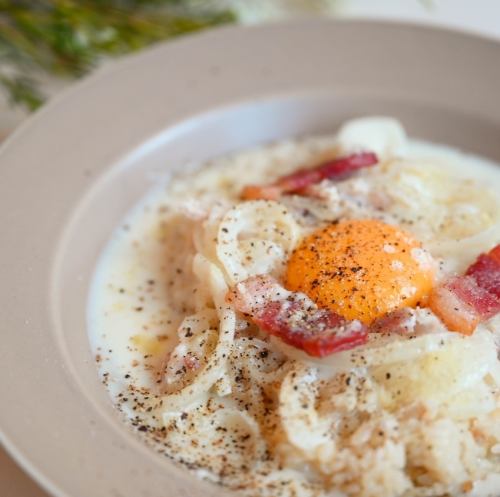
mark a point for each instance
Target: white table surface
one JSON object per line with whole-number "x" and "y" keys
{"x": 476, "y": 16}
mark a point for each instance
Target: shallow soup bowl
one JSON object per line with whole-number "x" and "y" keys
{"x": 74, "y": 170}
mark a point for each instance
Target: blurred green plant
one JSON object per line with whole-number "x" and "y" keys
{"x": 67, "y": 38}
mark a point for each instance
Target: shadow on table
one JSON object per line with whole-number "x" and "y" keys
{"x": 14, "y": 482}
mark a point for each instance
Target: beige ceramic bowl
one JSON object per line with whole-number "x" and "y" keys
{"x": 70, "y": 174}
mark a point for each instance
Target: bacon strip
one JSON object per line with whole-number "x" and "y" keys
{"x": 463, "y": 302}
{"x": 294, "y": 318}
{"x": 486, "y": 271}
{"x": 401, "y": 322}
{"x": 296, "y": 182}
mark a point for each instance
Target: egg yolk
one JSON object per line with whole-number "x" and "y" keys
{"x": 361, "y": 269}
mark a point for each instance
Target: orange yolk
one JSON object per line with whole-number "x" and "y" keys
{"x": 361, "y": 269}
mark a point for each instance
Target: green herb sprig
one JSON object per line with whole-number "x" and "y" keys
{"x": 67, "y": 38}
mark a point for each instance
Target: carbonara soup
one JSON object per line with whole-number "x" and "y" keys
{"x": 315, "y": 317}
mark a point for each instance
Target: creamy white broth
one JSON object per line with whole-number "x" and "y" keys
{"x": 144, "y": 287}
